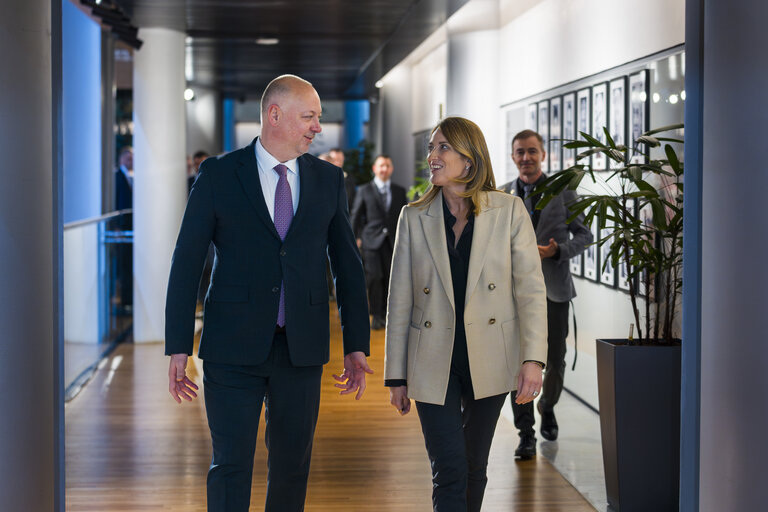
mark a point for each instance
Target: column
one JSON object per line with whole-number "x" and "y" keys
{"x": 31, "y": 429}
{"x": 159, "y": 188}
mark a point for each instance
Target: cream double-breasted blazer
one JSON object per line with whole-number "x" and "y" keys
{"x": 505, "y": 316}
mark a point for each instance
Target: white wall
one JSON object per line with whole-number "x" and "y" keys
{"x": 396, "y": 117}
{"x": 558, "y": 41}
{"x": 429, "y": 84}
{"x": 204, "y": 122}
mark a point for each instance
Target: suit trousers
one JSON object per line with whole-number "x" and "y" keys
{"x": 458, "y": 438}
{"x": 557, "y": 325}
{"x": 233, "y": 398}
{"x": 377, "y": 264}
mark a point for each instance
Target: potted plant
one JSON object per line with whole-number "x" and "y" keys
{"x": 640, "y": 201}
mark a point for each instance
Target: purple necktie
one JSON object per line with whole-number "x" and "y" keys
{"x": 283, "y": 218}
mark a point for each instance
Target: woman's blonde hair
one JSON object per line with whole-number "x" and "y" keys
{"x": 467, "y": 139}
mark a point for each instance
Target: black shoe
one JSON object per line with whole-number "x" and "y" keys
{"x": 526, "y": 449}
{"x": 548, "y": 428}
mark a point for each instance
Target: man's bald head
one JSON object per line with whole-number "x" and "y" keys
{"x": 280, "y": 87}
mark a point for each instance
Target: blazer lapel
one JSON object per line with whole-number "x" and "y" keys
{"x": 248, "y": 174}
{"x": 485, "y": 225}
{"x": 306, "y": 185}
{"x": 434, "y": 232}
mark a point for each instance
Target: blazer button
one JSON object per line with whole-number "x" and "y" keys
{"x": 275, "y": 289}
{"x": 492, "y": 321}
{"x": 427, "y": 324}
{"x": 426, "y": 290}
{"x": 491, "y": 286}
{"x": 282, "y": 252}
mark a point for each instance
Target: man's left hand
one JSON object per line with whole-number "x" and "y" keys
{"x": 549, "y": 250}
{"x": 353, "y": 378}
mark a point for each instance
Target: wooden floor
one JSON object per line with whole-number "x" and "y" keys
{"x": 130, "y": 447}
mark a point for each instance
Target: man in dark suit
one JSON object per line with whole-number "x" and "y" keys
{"x": 374, "y": 220}
{"x": 124, "y": 179}
{"x": 337, "y": 158}
{"x": 558, "y": 242}
{"x": 275, "y": 214}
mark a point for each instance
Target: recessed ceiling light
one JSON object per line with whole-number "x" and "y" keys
{"x": 267, "y": 41}
{"x": 379, "y": 84}
{"x": 189, "y": 94}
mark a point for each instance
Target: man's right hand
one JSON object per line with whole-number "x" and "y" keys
{"x": 179, "y": 385}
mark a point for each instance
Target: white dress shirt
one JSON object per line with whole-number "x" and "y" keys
{"x": 268, "y": 177}
{"x": 384, "y": 189}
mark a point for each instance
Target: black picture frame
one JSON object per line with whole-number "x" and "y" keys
{"x": 623, "y": 278}
{"x": 584, "y": 116}
{"x": 617, "y": 113}
{"x": 570, "y": 131}
{"x": 544, "y": 130}
{"x": 599, "y": 120}
{"x": 607, "y": 270}
{"x": 576, "y": 264}
{"x": 532, "y": 117}
{"x": 555, "y": 134}
{"x": 591, "y": 257}
{"x": 638, "y": 113}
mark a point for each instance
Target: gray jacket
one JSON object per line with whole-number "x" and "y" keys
{"x": 571, "y": 238}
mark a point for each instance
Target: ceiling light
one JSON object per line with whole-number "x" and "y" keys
{"x": 673, "y": 98}
{"x": 656, "y": 97}
{"x": 379, "y": 84}
{"x": 682, "y": 95}
{"x": 189, "y": 94}
{"x": 267, "y": 41}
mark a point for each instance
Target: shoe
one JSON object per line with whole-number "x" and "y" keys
{"x": 526, "y": 449}
{"x": 548, "y": 428}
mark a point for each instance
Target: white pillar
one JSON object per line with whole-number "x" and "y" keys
{"x": 472, "y": 84}
{"x": 31, "y": 428}
{"x": 159, "y": 188}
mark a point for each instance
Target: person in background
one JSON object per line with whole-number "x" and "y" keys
{"x": 374, "y": 221}
{"x": 124, "y": 179}
{"x": 466, "y": 318}
{"x": 558, "y": 241}
{"x": 194, "y": 169}
{"x": 337, "y": 159}
{"x": 274, "y": 214}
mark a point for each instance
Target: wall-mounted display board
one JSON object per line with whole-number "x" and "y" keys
{"x": 616, "y": 113}
{"x": 569, "y": 128}
{"x": 555, "y": 134}
{"x": 638, "y": 114}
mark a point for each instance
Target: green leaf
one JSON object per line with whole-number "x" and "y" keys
{"x": 665, "y": 129}
{"x": 649, "y": 141}
{"x": 592, "y": 140}
{"x": 608, "y": 137}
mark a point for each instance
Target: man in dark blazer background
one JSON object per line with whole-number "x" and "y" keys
{"x": 558, "y": 242}
{"x": 274, "y": 215}
{"x": 374, "y": 220}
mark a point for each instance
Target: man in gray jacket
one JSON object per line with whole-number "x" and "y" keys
{"x": 558, "y": 242}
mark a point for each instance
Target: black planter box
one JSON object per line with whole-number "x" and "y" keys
{"x": 639, "y": 392}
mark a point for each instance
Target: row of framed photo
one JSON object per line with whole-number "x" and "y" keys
{"x": 590, "y": 264}
{"x": 606, "y": 104}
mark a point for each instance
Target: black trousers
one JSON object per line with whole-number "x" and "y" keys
{"x": 377, "y": 264}
{"x": 458, "y": 437}
{"x": 557, "y": 324}
{"x": 233, "y": 398}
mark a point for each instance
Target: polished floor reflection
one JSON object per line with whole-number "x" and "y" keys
{"x": 129, "y": 447}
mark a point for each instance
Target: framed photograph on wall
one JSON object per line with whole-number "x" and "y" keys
{"x": 623, "y": 279}
{"x": 599, "y": 120}
{"x": 607, "y": 271}
{"x": 645, "y": 214}
{"x": 569, "y": 128}
{"x": 544, "y": 130}
{"x": 532, "y": 117}
{"x": 617, "y": 119}
{"x": 590, "y": 257}
{"x": 555, "y": 134}
{"x": 638, "y": 115}
{"x": 575, "y": 265}
{"x": 584, "y": 116}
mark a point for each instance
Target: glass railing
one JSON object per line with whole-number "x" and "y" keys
{"x": 98, "y": 293}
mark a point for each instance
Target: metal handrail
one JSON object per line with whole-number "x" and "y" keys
{"x": 96, "y": 220}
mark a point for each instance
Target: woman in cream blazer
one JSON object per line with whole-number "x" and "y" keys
{"x": 466, "y": 318}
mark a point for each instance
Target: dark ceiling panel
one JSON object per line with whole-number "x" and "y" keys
{"x": 341, "y": 46}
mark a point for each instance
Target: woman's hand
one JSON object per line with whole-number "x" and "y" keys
{"x": 398, "y": 396}
{"x": 528, "y": 382}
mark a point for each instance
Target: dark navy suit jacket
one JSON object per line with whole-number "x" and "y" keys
{"x": 226, "y": 206}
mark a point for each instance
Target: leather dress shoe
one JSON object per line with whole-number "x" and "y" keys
{"x": 549, "y": 429}
{"x": 526, "y": 449}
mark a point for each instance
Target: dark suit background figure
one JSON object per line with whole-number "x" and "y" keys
{"x": 375, "y": 224}
{"x": 558, "y": 242}
{"x": 258, "y": 348}
{"x": 124, "y": 201}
